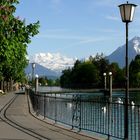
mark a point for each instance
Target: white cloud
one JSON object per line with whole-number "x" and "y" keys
{"x": 83, "y": 39}
{"x": 53, "y": 61}
{"x": 57, "y": 30}
{"x": 113, "y": 18}
{"x": 89, "y": 40}
{"x": 76, "y": 40}
{"x": 63, "y": 37}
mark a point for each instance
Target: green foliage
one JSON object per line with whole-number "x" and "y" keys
{"x": 82, "y": 75}
{"x": 102, "y": 65}
{"x": 85, "y": 73}
{"x": 134, "y": 71}
{"x": 42, "y": 81}
{"x": 15, "y": 36}
{"x": 57, "y": 82}
{"x": 65, "y": 79}
{"x": 118, "y": 75}
{"x": 89, "y": 74}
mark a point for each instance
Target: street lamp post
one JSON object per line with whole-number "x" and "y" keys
{"x": 104, "y": 74}
{"x": 127, "y": 12}
{"x": 110, "y": 104}
{"x": 33, "y": 70}
{"x": 110, "y": 86}
{"x": 36, "y": 83}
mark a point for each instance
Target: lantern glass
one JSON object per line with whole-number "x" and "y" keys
{"x": 127, "y": 12}
{"x": 132, "y": 13}
{"x": 122, "y": 13}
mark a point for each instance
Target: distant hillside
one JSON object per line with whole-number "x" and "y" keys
{"x": 119, "y": 54}
{"x": 42, "y": 71}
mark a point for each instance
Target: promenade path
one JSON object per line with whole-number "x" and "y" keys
{"x": 16, "y": 123}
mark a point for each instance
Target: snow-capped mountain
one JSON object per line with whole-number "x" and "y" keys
{"x": 53, "y": 61}
{"x": 41, "y": 71}
{"x": 119, "y": 54}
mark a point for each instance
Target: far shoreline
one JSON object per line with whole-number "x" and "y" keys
{"x": 68, "y": 90}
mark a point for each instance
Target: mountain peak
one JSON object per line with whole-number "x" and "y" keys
{"x": 136, "y": 38}
{"x": 135, "y": 44}
{"x": 119, "y": 54}
{"x": 41, "y": 71}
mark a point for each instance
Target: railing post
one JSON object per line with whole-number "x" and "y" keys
{"x": 73, "y": 105}
{"x": 76, "y": 118}
{"x": 55, "y": 109}
{"x": 138, "y": 122}
{"x": 38, "y": 102}
{"x": 80, "y": 114}
{"x": 44, "y": 106}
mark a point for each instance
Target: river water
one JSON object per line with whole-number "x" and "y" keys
{"x": 133, "y": 95}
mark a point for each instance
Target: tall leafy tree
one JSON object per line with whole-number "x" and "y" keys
{"x": 102, "y": 65}
{"x": 82, "y": 75}
{"x": 118, "y": 75}
{"x": 65, "y": 79}
{"x": 85, "y": 75}
{"x": 15, "y": 36}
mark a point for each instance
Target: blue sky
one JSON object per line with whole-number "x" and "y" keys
{"x": 77, "y": 28}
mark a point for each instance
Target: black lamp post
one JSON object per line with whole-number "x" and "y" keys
{"x": 110, "y": 104}
{"x": 127, "y": 12}
{"x": 110, "y": 86}
{"x": 36, "y": 83}
{"x": 33, "y": 70}
{"x": 104, "y": 74}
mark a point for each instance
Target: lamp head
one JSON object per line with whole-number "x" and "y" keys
{"x": 110, "y": 73}
{"x": 104, "y": 74}
{"x": 36, "y": 76}
{"x": 127, "y": 11}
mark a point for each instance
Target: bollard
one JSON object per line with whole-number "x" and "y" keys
{"x": 36, "y": 83}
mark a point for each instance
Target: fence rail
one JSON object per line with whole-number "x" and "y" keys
{"x": 89, "y": 113}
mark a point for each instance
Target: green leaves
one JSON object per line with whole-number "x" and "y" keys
{"x": 134, "y": 71}
{"x": 14, "y": 38}
{"x": 89, "y": 74}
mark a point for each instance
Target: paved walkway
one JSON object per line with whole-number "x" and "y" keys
{"x": 16, "y": 123}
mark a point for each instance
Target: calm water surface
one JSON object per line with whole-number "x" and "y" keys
{"x": 134, "y": 95}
